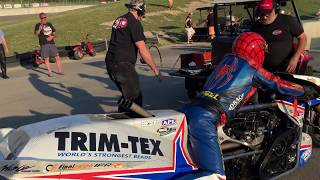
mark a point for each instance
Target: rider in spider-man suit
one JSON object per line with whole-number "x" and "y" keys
{"x": 230, "y": 85}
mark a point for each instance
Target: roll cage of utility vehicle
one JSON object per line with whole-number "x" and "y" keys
{"x": 234, "y": 17}
{"x": 231, "y": 18}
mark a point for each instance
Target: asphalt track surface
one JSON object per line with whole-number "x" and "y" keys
{"x": 31, "y": 96}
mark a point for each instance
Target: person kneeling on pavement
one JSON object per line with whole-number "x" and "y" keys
{"x": 229, "y": 87}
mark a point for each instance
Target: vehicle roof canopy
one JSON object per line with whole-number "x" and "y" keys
{"x": 235, "y": 1}
{"x": 232, "y": 1}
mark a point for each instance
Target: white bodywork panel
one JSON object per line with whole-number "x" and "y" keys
{"x": 92, "y": 143}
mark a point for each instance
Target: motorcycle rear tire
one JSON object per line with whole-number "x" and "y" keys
{"x": 78, "y": 55}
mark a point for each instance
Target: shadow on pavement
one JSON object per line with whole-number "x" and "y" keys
{"x": 104, "y": 80}
{"x": 78, "y": 99}
{"x": 151, "y": 99}
{"x": 17, "y": 121}
{"x": 178, "y": 37}
{"x": 98, "y": 64}
{"x": 168, "y": 27}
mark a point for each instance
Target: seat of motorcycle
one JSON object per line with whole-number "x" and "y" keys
{"x": 291, "y": 78}
{"x": 117, "y": 115}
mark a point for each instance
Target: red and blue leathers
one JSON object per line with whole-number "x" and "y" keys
{"x": 230, "y": 85}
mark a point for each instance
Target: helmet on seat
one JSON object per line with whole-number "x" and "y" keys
{"x": 138, "y": 5}
{"x": 250, "y": 46}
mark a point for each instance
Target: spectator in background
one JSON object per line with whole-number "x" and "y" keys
{"x": 318, "y": 14}
{"x": 46, "y": 34}
{"x": 188, "y": 27}
{"x": 210, "y": 24}
{"x": 170, "y": 4}
{"x": 3, "y": 52}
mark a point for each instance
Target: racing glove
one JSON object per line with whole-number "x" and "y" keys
{"x": 309, "y": 93}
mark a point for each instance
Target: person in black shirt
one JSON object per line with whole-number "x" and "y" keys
{"x": 127, "y": 39}
{"x": 46, "y": 34}
{"x": 279, "y": 32}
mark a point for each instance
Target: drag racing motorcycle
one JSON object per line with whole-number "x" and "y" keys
{"x": 263, "y": 141}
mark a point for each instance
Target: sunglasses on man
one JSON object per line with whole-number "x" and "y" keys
{"x": 265, "y": 14}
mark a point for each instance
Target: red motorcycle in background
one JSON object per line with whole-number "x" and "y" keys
{"x": 37, "y": 59}
{"x": 84, "y": 48}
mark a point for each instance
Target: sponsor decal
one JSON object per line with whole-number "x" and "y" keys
{"x": 277, "y": 32}
{"x": 165, "y": 130}
{"x": 306, "y": 154}
{"x": 120, "y": 23}
{"x": 169, "y": 122}
{"x": 148, "y": 123}
{"x": 103, "y": 155}
{"x": 113, "y": 165}
{"x": 236, "y": 102}
{"x": 220, "y": 138}
{"x": 17, "y": 168}
{"x": 82, "y": 166}
{"x": 210, "y": 95}
{"x": 78, "y": 144}
{"x": 63, "y": 167}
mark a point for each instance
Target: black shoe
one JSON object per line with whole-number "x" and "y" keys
{"x": 5, "y": 77}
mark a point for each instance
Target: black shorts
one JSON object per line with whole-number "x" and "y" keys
{"x": 49, "y": 50}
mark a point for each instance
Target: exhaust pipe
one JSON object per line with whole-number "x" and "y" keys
{"x": 128, "y": 104}
{"x": 228, "y": 146}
